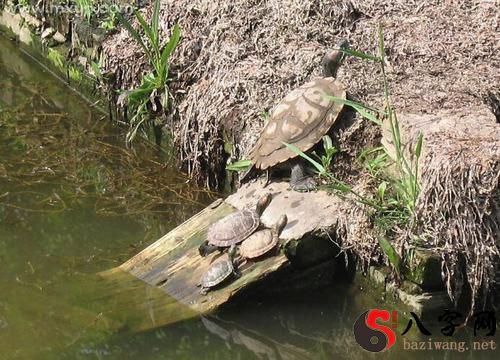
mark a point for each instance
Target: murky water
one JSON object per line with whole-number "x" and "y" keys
{"x": 74, "y": 201}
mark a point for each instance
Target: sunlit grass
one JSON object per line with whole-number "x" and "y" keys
{"x": 155, "y": 84}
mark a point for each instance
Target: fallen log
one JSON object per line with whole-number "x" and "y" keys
{"x": 174, "y": 265}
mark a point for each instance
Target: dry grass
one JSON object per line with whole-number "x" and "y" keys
{"x": 458, "y": 213}
{"x": 238, "y": 59}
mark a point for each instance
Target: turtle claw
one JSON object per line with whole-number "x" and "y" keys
{"x": 304, "y": 185}
{"x": 267, "y": 179}
{"x": 299, "y": 179}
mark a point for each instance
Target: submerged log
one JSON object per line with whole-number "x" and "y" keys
{"x": 174, "y": 265}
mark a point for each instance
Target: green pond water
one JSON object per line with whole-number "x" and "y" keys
{"x": 75, "y": 201}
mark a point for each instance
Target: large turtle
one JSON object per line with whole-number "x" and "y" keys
{"x": 219, "y": 272}
{"x": 302, "y": 118}
{"x": 262, "y": 241}
{"x": 234, "y": 228}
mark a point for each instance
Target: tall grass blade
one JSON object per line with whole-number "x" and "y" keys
{"x": 381, "y": 47}
{"x": 171, "y": 45}
{"x": 418, "y": 147}
{"x": 147, "y": 29}
{"x": 155, "y": 17}
{"x": 313, "y": 162}
{"x": 418, "y": 153}
{"x": 392, "y": 255}
{"x": 327, "y": 142}
{"x": 359, "y": 54}
{"x": 137, "y": 37}
{"x": 363, "y": 110}
{"x": 240, "y": 165}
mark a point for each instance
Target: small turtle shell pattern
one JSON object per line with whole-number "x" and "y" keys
{"x": 259, "y": 243}
{"x": 233, "y": 228}
{"x": 264, "y": 240}
{"x": 217, "y": 273}
{"x": 301, "y": 119}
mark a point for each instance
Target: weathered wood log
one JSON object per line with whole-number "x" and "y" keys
{"x": 174, "y": 265}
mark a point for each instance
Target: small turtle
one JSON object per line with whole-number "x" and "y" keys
{"x": 262, "y": 241}
{"x": 219, "y": 272}
{"x": 302, "y": 118}
{"x": 234, "y": 228}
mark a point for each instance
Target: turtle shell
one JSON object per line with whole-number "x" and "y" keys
{"x": 233, "y": 228}
{"x": 302, "y": 118}
{"x": 259, "y": 243}
{"x": 217, "y": 273}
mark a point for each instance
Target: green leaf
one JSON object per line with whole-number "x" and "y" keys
{"x": 154, "y": 22}
{"x": 145, "y": 26}
{"x": 418, "y": 147}
{"x": 165, "y": 99}
{"x": 339, "y": 186}
{"x": 392, "y": 255}
{"x": 359, "y": 54}
{"x": 137, "y": 37}
{"x": 381, "y": 190}
{"x": 363, "y": 110}
{"x": 327, "y": 142}
{"x": 171, "y": 45}
{"x": 313, "y": 162}
{"x": 135, "y": 123}
{"x": 139, "y": 95}
{"x": 55, "y": 58}
{"x": 240, "y": 165}
{"x": 265, "y": 116}
{"x": 96, "y": 69}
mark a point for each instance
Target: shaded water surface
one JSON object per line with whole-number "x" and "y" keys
{"x": 74, "y": 201}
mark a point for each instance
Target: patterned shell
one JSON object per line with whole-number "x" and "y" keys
{"x": 301, "y": 119}
{"x": 259, "y": 243}
{"x": 217, "y": 273}
{"x": 233, "y": 228}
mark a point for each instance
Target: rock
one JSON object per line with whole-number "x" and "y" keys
{"x": 58, "y": 37}
{"x": 82, "y": 60}
{"x": 48, "y": 32}
{"x": 32, "y": 21}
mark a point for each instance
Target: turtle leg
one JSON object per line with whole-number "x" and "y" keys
{"x": 277, "y": 249}
{"x": 234, "y": 257}
{"x": 236, "y": 273}
{"x": 267, "y": 177}
{"x": 299, "y": 180}
{"x": 206, "y": 248}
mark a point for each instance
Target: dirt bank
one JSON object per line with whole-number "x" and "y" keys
{"x": 238, "y": 59}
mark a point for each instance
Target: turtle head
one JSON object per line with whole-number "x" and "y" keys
{"x": 281, "y": 223}
{"x": 332, "y": 60}
{"x": 263, "y": 203}
{"x": 232, "y": 254}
